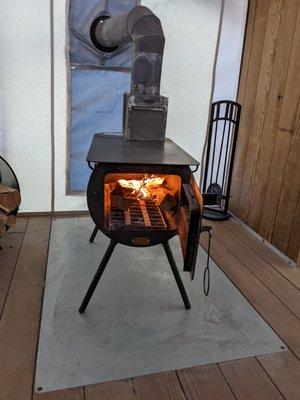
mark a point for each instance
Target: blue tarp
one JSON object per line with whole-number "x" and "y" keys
{"x": 97, "y": 104}
{"x": 97, "y": 85}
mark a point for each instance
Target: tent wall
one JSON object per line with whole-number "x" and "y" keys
{"x": 230, "y": 50}
{"x": 25, "y": 90}
{"x": 26, "y": 85}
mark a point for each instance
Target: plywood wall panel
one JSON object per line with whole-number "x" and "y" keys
{"x": 260, "y": 105}
{"x": 256, "y": 25}
{"x": 266, "y": 177}
{"x": 288, "y": 17}
{"x": 286, "y": 222}
{"x": 285, "y": 131}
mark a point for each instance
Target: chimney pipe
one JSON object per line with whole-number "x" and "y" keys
{"x": 144, "y": 29}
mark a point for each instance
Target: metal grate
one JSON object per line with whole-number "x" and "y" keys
{"x": 142, "y": 214}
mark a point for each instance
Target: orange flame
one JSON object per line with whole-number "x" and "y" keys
{"x": 142, "y": 187}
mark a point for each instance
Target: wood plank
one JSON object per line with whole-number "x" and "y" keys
{"x": 260, "y": 104}
{"x": 20, "y": 226}
{"x": 284, "y": 370}
{"x": 272, "y": 114}
{"x": 271, "y": 278}
{"x": 265, "y": 252}
{"x": 289, "y": 198}
{"x": 248, "y": 380}
{"x": 204, "y": 383}
{"x": 293, "y": 250}
{"x": 246, "y": 56}
{"x": 11, "y": 245}
{"x": 116, "y": 390}
{"x": 67, "y": 394}
{"x": 19, "y": 325}
{"x": 285, "y": 323}
{"x": 278, "y": 180}
{"x": 163, "y": 386}
{"x": 258, "y": 15}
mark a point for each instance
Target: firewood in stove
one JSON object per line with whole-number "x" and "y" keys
{"x": 164, "y": 198}
{"x": 168, "y": 202}
{"x": 10, "y": 198}
{"x": 122, "y": 202}
{"x": 122, "y": 197}
{"x": 171, "y": 219}
{"x": 121, "y": 191}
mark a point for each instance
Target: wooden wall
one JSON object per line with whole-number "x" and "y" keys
{"x": 266, "y": 178}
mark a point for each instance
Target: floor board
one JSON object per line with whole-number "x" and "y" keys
{"x": 275, "y": 375}
{"x": 248, "y": 380}
{"x": 20, "y": 226}
{"x": 19, "y": 325}
{"x": 68, "y": 394}
{"x": 10, "y": 246}
{"x": 116, "y": 390}
{"x": 284, "y": 370}
{"x": 265, "y": 252}
{"x": 282, "y": 288}
{"x": 285, "y": 323}
{"x": 204, "y": 383}
{"x": 164, "y": 386}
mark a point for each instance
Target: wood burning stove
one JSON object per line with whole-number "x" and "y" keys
{"x": 143, "y": 196}
{"x": 142, "y": 191}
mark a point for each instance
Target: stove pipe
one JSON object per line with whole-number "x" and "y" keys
{"x": 145, "y": 111}
{"x": 144, "y": 29}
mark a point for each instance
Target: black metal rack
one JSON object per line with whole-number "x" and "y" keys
{"x": 221, "y": 144}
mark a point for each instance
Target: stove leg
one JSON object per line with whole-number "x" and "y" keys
{"x": 97, "y": 276}
{"x": 95, "y": 231}
{"x": 177, "y": 275}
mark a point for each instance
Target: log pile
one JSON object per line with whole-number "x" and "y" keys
{"x": 124, "y": 198}
{"x": 10, "y": 200}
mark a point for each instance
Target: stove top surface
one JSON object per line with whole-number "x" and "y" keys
{"x": 107, "y": 148}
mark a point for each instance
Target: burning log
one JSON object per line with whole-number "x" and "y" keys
{"x": 164, "y": 198}
{"x": 122, "y": 197}
{"x": 122, "y": 202}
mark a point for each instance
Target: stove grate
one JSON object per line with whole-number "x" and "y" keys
{"x": 142, "y": 214}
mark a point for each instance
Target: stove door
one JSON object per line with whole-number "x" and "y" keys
{"x": 190, "y": 224}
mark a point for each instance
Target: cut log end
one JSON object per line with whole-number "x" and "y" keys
{"x": 10, "y": 200}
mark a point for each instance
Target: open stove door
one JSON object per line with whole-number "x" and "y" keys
{"x": 189, "y": 225}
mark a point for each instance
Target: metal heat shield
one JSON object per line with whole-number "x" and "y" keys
{"x": 143, "y": 119}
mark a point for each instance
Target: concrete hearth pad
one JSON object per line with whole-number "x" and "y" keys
{"x": 136, "y": 323}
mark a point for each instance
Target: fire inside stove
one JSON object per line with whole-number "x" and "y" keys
{"x": 141, "y": 201}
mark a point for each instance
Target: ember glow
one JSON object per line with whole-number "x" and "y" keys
{"x": 142, "y": 187}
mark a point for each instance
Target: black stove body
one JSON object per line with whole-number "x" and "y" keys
{"x": 142, "y": 158}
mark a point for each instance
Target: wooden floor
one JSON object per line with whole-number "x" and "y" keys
{"x": 263, "y": 277}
